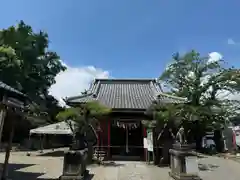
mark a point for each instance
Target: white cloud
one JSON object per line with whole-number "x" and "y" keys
{"x": 230, "y": 41}
{"x": 75, "y": 80}
{"x": 214, "y": 57}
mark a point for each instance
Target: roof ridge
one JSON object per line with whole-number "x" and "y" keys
{"x": 126, "y": 79}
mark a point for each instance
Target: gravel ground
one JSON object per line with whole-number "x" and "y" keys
{"x": 34, "y": 167}
{"x": 219, "y": 168}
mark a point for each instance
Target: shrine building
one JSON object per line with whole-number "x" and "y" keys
{"x": 122, "y": 132}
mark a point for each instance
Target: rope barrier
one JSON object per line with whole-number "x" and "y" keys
{"x": 119, "y": 146}
{"x": 123, "y": 147}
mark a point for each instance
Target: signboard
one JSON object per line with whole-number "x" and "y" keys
{"x": 150, "y": 140}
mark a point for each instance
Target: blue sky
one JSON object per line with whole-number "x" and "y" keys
{"x": 130, "y": 38}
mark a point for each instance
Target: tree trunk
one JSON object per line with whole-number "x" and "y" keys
{"x": 165, "y": 160}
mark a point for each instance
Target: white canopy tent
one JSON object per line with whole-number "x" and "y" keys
{"x": 61, "y": 128}
{"x": 57, "y": 128}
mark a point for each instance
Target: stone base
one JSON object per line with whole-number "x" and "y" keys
{"x": 74, "y": 177}
{"x": 71, "y": 178}
{"x": 183, "y": 177}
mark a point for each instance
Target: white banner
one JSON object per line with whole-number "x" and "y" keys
{"x": 150, "y": 140}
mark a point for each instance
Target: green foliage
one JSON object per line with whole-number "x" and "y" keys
{"x": 69, "y": 113}
{"x": 26, "y": 63}
{"x": 149, "y": 124}
{"x": 203, "y": 83}
{"x": 96, "y": 109}
{"x": 85, "y": 114}
{"x": 52, "y": 108}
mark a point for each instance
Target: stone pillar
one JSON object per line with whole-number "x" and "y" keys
{"x": 183, "y": 163}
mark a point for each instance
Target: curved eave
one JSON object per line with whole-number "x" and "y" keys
{"x": 164, "y": 98}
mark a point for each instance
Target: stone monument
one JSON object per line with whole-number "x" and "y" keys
{"x": 183, "y": 163}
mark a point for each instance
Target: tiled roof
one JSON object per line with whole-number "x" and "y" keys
{"x": 123, "y": 93}
{"x": 9, "y": 88}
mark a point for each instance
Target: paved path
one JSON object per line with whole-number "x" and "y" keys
{"x": 130, "y": 171}
{"x": 219, "y": 168}
{"x": 44, "y": 167}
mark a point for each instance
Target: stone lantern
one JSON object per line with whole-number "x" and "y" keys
{"x": 183, "y": 161}
{"x": 74, "y": 166}
{"x": 75, "y": 159}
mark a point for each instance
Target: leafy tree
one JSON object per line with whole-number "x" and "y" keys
{"x": 84, "y": 115}
{"x": 52, "y": 107}
{"x": 26, "y": 63}
{"x": 203, "y": 82}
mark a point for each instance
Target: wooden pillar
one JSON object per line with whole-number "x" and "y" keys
{"x": 98, "y": 142}
{"x": 8, "y": 150}
{"x": 98, "y": 139}
{"x": 3, "y": 112}
{"x": 109, "y": 136}
{"x": 41, "y": 143}
{"x": 155, "y": 149}
{"x": 145, "y": 150}
{"x": 101, "y": 135}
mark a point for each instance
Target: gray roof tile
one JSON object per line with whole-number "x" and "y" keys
{"x": 123, "y": 93}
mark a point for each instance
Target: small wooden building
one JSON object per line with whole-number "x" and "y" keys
{"x": 121, "y": 131}
{"x": 12, "y": 103}
{"x": 10, "y": 100}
